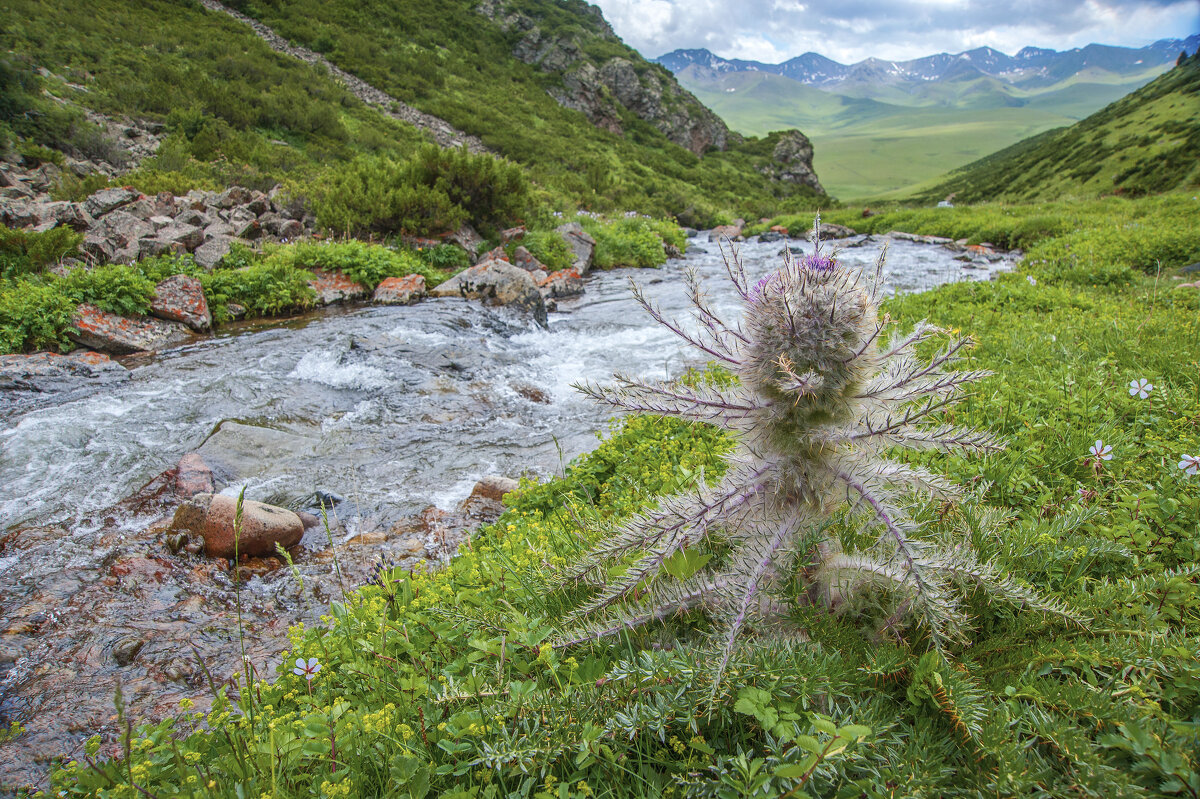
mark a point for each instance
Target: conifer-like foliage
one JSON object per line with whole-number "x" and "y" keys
{"x": 823, "y": 395}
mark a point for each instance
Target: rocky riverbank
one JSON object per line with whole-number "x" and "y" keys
{"x": 121, "y": 226}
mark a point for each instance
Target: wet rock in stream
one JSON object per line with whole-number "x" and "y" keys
{"x": 213, "y": 518}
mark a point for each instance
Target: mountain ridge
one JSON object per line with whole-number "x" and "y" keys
{"x": 1029, "y": 68}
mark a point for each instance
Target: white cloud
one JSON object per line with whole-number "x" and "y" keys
{"x": 851, "y": 30}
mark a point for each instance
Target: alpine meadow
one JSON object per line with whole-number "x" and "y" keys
{"x": 426, "y": 400}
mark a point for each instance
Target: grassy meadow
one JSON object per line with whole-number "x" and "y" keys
{"x": 889, "y": 146}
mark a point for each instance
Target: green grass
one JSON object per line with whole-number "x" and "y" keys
{"x": 1145, "y": 143}
{"x": 441, "y": 685}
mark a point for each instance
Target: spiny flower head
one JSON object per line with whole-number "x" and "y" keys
{"x": 820, "y": 400}
{"x": 809, "y": 330}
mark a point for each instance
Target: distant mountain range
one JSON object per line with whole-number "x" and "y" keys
{"x": 1030, "y": 69}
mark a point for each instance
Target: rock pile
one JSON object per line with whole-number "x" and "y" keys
{"x": 524, "y": 281}
{"x": 122, "y": 226}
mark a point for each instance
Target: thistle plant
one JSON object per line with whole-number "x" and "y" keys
{"x": 823, "y": 394}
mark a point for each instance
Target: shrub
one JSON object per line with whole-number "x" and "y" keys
{"x": 37, "y": 154}
{"x": 269, "y": 288}
{"x": 493, "y": 192}
{"x": 550, "y": 248}
{"x": 632, "y": 241}
{"x": 118, "y": 289}
{"x": 26, "y": 252}
{"x": 34, "y": 316}
{"x": 374, "y": 195}
{"x": 445, "y": 258}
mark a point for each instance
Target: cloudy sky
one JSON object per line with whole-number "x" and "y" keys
{"x": 851, "y": 30}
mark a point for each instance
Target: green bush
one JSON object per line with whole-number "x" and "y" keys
{"x": 37, "y": 155}
{"x": 493, "y": 192}
{"x": 632, "y": 241}
{"x": 114, "y": 288}
{"x": 434, "y": 191}
{"x": 374, "y": 196}
{"x": 269, "y": 288}
{"x": 26, "y": 252}
{"x": 363, "y": 263}
{"x": 550, "y": 248}
{"x": 34, "y": 316}
{"x": 444, "y": 258}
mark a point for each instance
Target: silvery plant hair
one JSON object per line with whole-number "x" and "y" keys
{"x": 825, "y": 396}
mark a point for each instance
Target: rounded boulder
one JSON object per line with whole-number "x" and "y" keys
{"x": 211, "y": 517}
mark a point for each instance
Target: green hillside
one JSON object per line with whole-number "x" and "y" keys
{"x": 888, "y": 141}
{"x": 235, "y": 110}
{"x": 1145, "y": 143}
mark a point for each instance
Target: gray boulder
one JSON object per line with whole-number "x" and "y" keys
{"x": 467, "y": 238}
{"x": 334, "y": 287}
{"x": 210, "y": 253}
{"x": 149, "y": 247}
{"x": 234, "y": 195}
{"x": 526, "y": 260}
{"x": 180, "y": 298}
{"x": 124, "y": 229}
{"x": 44, "y": 372}
{"x": 496, "y": 282}
{"x": 107, "y": 200}
{"x": 400, "y": 290}
{"x": 791, "y": 161}
{"x": 582, "y": 244}
{"x": 72, "y": 215}
{"x": 193, "y": 217}
{"x": 120, "y": 335}
{"x": 188, "y": 236}
{"x": 97, "y": 247}
{"x": 563, "y": 283}
{"x": 19, "y": 213}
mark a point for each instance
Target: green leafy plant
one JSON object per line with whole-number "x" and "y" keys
{"x": 445, "y": 258}
{"x": 550, "y": 248}
{"x": 270, "y": 288}
{"x": 28, "y": 252}
{"x": 34, "y": 316}
{"x": 632, "y": 241}
{"x": 113, "y": 287}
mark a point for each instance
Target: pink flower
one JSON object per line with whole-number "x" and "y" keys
{"x": 1190, "y": 464}
{"x": 1101, "y": 451}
